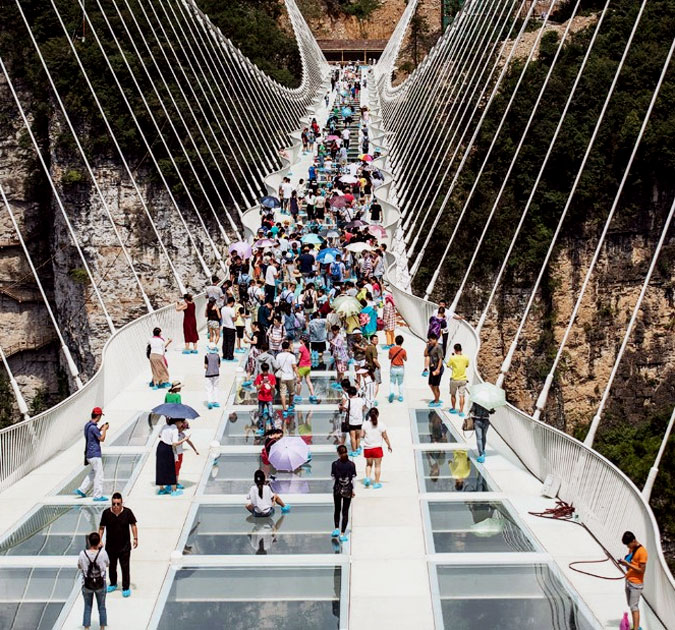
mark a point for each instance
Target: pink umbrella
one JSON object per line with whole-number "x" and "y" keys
{"x": 366, "y": 158}
{"x": 332, "y": 138}
{"x": 338, "y": 202}
{"x": 264, "y": 242}
{"x": 241, "y": 248}
{"x": 377, "y": 230}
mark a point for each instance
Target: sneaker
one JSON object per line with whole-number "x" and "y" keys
{"x": 344, "y": 538}
{"x": 260, "y": 432}
{"x": 101, "y": 499}
{"x": 297, "y": 399}
{"x": 366, "y": 482}
{"x": 352, "y": 454}
{"x": 194, "y": 351}
{"x": 434, "y": 404}
{"x": 180, "y": 486}
{"x": 186, "y": 352}
{"x": 480, "y": 458}
{"x": 80, "y": 494}
{"x": 111, "y": 588}
{"x": 126, "y": 593}
{"x": 335, "y": 386}
{"x": 285, "y": 413}
{"x": 391, "y": 397}
{"x": 163, "y": 491}
{"x": 154, "y": 386}
{"x": 314, "y": 400}
{"x": 400, "y": 399}
{"x": 216, "y": 404}
{"x": 209, "y": 405}
{"x": 377, "y": 485}
{"x": 247, "y": 384}
{"x": 176, "y": 493}
{"x": 452, "y": 410}
{"x": 335, "y": 533}
{"x": 461, "y": 414}
{"x": 291, "y": 408}
{"x": 425, "y": 373}
{"x": 286, "y": 509}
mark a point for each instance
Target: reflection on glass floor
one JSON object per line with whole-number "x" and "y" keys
{"x": 315, "y": 427}
{"x": 475, "y": 527}
{"x": 450, "y": 471}
{"x": 54, "y": 530}
{"x": 265, "y": 598}
{"x": 429, "y": 427}
{"x": 322, "y": 389}
{"x": 138, "y": 432}
{"x": 233, "y": 474}
{"x": 33, "y": 598}
{"x": 507, "y": 597}
{"x": 117, "y": 471}
{"x": 231, "y": 530}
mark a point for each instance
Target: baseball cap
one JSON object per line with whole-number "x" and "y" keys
{"x": 97, "y": 411}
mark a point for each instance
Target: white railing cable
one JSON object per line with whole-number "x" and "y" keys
{"x": 87, "y": 164}
{"x": 160, "y": 134}
{"x": 72, "y": 368}
{"x": 57, "y": 196}
{"x": 469, "y": 147}
{"x": 141, "y": 133}
{"x": 543, "y": 165}
{"x": 638, "y": 304}
{"x": 653, "y": 471}
{"x": 543, "y": 395}
{"x": 514, "y": 159}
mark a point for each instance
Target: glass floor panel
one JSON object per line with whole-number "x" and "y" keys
{"x": 475, "y": 527}
{"x": 315, "y": 427}
{"x": 267, "y": 598}
{"x": 138, "y": 432}
{"x": 508, "y": 597}
{"x": 233, "y": 474}
{"x": 322, "y": 389}
{"x": 54, "y": 530}
{"x": 230, "y": 529}
{"x": 33, "y": 598}
{"x": 117, "y": 471}
{"x": 450, "y": 471}
{"x": 429, "y": 427}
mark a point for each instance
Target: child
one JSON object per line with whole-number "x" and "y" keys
{"x": 368, "y": 386}
{"x": 265, "y": 384}
{"x": 212, "y": 374}
{"x": 240, "y": 327}
{"x": 183, "y": 434}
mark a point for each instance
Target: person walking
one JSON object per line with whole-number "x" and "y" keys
{"x": 93, "y": 562}
{"x": 372, "y": 434}
{"x": 397, "y": 358}
{"x": 636, "y": 564}
{"x": 261, "y": 499}
{"x": 165, "y": 465}
{"x": 156, "y": 351}
{"x": 190, "y": 333}
{"x": 304, "y": 372}
{"x": 458, "y": 364}
{"x": 343, "y": 472}
{"x": 229, "y": 316}
{"x": 212, "y": 375}
{"x": 434, "y": 354}
{"x": 373, "y": 363}
{"x": 93, "y": 437}
{"x": 481, "y": 424}
{"x": 287, "y": 373}
{"x": 116, "y": 522}
{"x": 265, "y": 383}
{"x": 213, "y": 320}
{"x": 389, "y": 318}
{"x": 354, "y": 408}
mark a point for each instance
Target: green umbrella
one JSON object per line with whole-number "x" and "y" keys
{"x": 487, "y": 395}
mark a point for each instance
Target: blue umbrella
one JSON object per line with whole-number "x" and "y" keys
{"x": 329, "y": 251}
{"x": 176, "y": 410}
{"x": 270, "y": 202}
{"x": 313, "y": 239}
{"x": 346, "y": 111}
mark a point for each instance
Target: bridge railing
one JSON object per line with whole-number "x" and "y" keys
{"x": 28, "y": 444}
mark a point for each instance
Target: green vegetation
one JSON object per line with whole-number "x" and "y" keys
{"x": 7, "y": 416}
{"x": 361, "y": 9}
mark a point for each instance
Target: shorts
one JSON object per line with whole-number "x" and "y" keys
{"x": 360, "y": 363}
{"x": 265, "y": 514}
{"x": 318, "y": 346}
{"x": 378, "y": 376}
{"x": 213, "y": 325}
{"x": 305, "y": 370}
{"x": 373, "y": 453}
{"x": 633, "y": 593}
{"x": 457, "y": 387}
{"x": 240, "y": 331}
{"x": 288, "y": 387}
{"x": 355, "y": 427}
{"x": 435, "y": 381}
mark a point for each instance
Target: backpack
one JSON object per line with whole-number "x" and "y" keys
{"x": 308, "y": 301}
{"x": 335, "y": 271}
{"x": 94, "y": 579}
{"x": 244, "y": 279}
{"x": 345, "y": 487}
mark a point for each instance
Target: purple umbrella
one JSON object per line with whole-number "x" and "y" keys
{"x": 289, "y": 453}
{"x": 289, "y": 483}
{"x": 338, "y": 202}
{"x": 264, "y": 242}
{"x": 241, "y": 248}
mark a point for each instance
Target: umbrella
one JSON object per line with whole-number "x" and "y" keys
{"x": 487, "y": 395}
{"x": 338, "y": 202}
{"x": 328, "y": 258}
{"x": 346, "y": 111}
{"x": 270, "y": 202}
{"x": 365, "y": 157}
{"x": 332, "y": 138}
{"x": 289, "y": 453}
{"x": 377, "y": 231}
{"x": 241, "y": 248}
{"x": 325, "y": 253}
{"x": 289, "y": 483}
{"x": 264, "y": 242}
{"x": 312, "y": 239}
{"x": 348, "y": 308}
{"x": 359, "y": 247}
{"x": 349, "y": 179}
{"x": 355, "y": 224}
{"x": 175, "y": 410}
{"x": 333, "y": 234}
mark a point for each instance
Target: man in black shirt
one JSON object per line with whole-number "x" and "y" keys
{"x": 306, "y": 262}
{"x": 116, "y": 521}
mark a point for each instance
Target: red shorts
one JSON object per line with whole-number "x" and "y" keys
{"x": 373, "y": 453}
{"x": 179, "y": 463}
{"x": 263, "y": 456}
{"x": 307, "y": 438}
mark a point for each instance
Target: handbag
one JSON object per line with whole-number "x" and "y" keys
{"x": 467, "y": 425}
{"x": 344, "y": 425}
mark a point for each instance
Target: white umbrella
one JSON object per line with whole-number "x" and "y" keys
{"x": 359, "y": 247}
{"x": 349, "y": 179}
{"x": 487, "y": 395}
